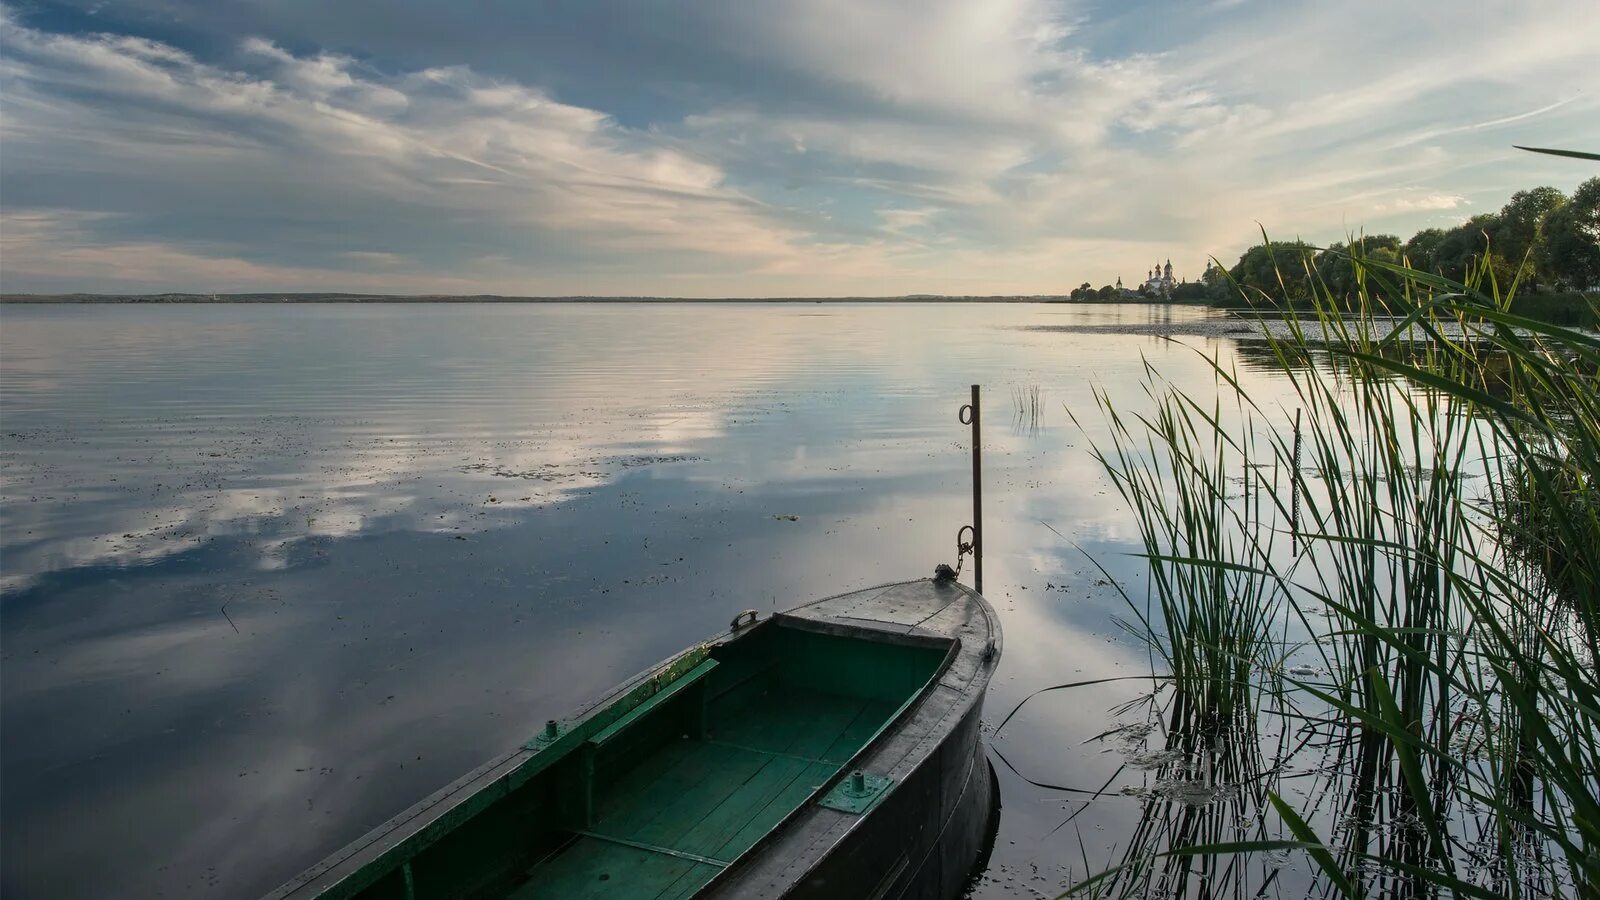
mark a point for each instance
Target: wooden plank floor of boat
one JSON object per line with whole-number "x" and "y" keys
{"x": 668, "y": 826}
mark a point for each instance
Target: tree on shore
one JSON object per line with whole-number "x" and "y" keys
{"x": 1570, "y": 249}
{"x": 1419, "y": 250}
{"x": 1522, "y": 222}
{"x": 1336, "y": 265}
{"x": 1272, "y": 270}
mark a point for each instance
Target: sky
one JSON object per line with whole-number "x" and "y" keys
{"x": 728, "y": 148}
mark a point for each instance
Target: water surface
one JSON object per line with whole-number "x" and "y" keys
{"x": 273, "y": 573}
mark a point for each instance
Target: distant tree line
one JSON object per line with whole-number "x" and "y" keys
{"x": 1086, "y": 293}
{"x": 1550, "y": 239}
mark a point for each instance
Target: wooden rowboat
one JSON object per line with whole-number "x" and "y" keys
{"x": 828, "y": 751}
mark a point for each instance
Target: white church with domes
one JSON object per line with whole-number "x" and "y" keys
{"x": 1160, "y": 280}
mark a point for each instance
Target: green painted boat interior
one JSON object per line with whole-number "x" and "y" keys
{"x": 655, "y": 794}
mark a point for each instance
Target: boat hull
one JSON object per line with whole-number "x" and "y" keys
{"x": 833, "y": 750}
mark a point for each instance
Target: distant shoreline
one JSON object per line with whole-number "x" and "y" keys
{"x": 493, "y": 298}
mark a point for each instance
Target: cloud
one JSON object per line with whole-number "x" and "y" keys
{"x": 1435, "y": 134}
{"x": 43, "y": 244}
{"x": 1421, "y": 202}
{"x": 724, "y": 149}
{"x": 308, "y": 148}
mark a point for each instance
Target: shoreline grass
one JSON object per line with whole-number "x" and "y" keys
{"x": 1433, "y": 551}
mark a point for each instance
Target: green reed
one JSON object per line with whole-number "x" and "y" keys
{"x": 1438, "y": 576}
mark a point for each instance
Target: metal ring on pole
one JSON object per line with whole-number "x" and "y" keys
{"x": 965, "y": 415}
{"x": 964, "y": 547}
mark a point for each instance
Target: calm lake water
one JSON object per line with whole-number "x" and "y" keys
{"x": 271, "y": 574}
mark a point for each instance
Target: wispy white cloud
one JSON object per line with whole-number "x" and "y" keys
{"x": 1434, "y": 134}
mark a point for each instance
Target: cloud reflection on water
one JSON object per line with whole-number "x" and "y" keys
{"x": 396, "y": 627}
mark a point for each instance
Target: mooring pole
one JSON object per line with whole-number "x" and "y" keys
{"x": 971, "y": 415}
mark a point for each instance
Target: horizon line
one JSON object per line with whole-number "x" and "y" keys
{"x": 362, "y": 297}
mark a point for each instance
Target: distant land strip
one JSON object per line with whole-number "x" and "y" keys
{"x": 496, "y": 298}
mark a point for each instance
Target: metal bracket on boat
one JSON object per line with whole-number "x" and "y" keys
{"x": 735, "y": 626}
{"x": 546, "y": 736}
{"x": 858, "y": 792}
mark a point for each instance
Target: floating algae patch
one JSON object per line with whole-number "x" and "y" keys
{"x": 1155, "y": 760}
{"x": 545, "y": 472}
{"x": 631, "y": 462}
{"x": 558, "y": 472}
{"x": 1192, "y": 792}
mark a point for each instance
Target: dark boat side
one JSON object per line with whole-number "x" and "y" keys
{"x": 831, "y": 750}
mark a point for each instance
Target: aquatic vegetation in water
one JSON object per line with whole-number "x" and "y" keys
{"x": 1028, "y": 404}
{"x": 1387, "y": 594}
